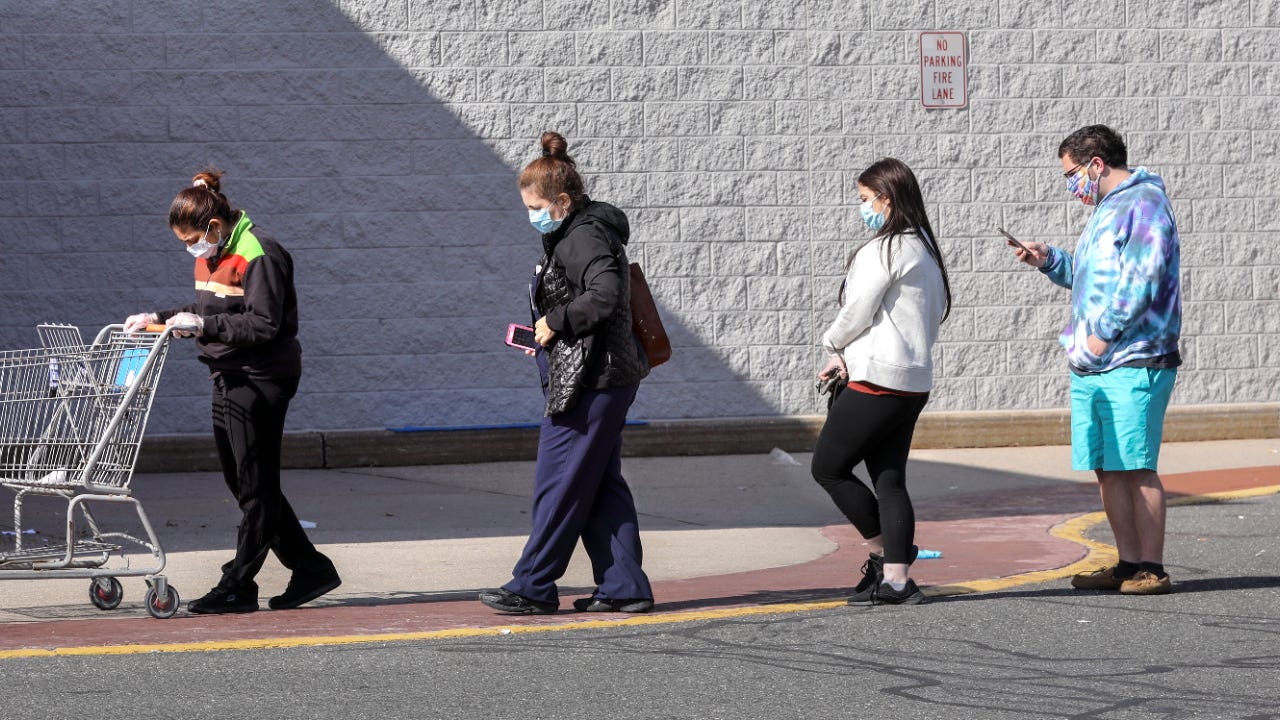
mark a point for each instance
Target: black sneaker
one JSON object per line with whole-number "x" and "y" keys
{"x": 222, "y": 600}
{"x": 303, "y": 589}
{"x": 595, "y": 604}
{"x": 872, "y": 576}
{"x": 908, "y": 595}
{"x": 506, "y": 601}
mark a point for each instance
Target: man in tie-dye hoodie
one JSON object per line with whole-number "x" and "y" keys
{"x": 1122, "y": 346}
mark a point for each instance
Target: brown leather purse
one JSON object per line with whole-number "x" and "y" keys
{"x": 645, "y": 321}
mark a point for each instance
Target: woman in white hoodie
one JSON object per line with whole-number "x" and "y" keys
{"x": 894, "y": 297}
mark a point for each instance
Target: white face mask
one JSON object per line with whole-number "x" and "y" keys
{"x": 204, "y": 249}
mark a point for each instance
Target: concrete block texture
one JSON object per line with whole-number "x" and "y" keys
{"x": 380, "y": 141}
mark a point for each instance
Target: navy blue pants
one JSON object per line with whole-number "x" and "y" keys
{"x": 579, "y": 492}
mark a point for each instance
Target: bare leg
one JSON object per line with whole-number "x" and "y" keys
{"x": 1148, "y": 513}
{"x": 895, "y": 573}
{"x": 876, "y": 544}
{"x": 1134, "y": 501}
{"x": 1117, "y": 502}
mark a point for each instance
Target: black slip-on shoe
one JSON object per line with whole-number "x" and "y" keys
{"x": 303, "y": 589}
{"x": 595, "y": 604}
{"x": 504, "y": 600}
{"x": 220, "y": 601}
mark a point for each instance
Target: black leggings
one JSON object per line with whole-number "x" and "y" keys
{"x": 876, "y": 429}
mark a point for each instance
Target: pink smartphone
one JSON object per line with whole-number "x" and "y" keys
{"x": 519, "y": 336}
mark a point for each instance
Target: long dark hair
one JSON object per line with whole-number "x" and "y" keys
{"x": 891, "y": 178}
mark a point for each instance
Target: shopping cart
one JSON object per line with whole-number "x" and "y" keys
{"x": 72, "y": 416}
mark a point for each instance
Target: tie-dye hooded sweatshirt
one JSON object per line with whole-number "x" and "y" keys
{"x": 1123, "y": 278}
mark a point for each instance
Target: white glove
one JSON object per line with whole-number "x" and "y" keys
{"x": 186, "y": 324}
{"x": 134, "y": 323}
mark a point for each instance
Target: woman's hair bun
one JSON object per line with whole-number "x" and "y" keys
{"x": 208, "y": 178}
{"x": 554, "y": 145}
{"x": 196, "y": 205}
{"x": 555, "y": 172}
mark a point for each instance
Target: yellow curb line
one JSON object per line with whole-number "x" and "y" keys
{"x": 291, "y": 642}
{"x": 1099, "y": 555}
{"x": 1073, "y": 530}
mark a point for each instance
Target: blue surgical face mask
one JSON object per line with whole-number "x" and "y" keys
{"x": 873, "y": 219}
{"x": 204, "y": 249}
{"x": 542, "y": 221}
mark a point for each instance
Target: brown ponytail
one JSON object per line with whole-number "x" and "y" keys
{"x": 555, "y": 172}
{"x": 195, "y": 206}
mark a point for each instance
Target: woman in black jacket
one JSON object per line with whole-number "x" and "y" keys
{"x": 245, "y": 320}
{"x": 591, "y": 366}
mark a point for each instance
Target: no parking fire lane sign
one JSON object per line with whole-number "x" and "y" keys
{"x": 944, "y": 64}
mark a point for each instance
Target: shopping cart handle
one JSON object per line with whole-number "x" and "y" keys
{"x": 159, "y": 328}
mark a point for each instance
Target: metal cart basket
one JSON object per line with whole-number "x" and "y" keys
{"x": 72, "y": 416}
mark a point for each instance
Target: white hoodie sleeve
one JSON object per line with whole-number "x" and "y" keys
{"x": 865, "y": 286}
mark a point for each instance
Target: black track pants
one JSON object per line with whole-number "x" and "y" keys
{"x": 248, "y": 425}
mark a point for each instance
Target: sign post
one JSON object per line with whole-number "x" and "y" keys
{"x": 944, "y": 70}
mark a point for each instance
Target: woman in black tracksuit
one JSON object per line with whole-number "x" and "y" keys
{"x": 591, "y": 366}
{"x": 245, "y": 319}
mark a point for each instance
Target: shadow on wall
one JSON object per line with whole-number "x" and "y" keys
{"x": 384, "y": 174}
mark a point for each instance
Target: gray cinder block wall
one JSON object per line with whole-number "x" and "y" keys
{"x": 379, "y": 140}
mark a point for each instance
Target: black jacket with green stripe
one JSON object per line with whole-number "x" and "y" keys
{"x": 249, "y": 305}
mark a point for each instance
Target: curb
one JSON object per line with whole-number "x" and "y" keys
{"x": 679, "y": 438}
{"x": 1073, "y": 530}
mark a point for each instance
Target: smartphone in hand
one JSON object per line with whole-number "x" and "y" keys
{"x": 1014, "y": 241}
{"x": 520, "y": 336}
{"x": 828, "y": 385}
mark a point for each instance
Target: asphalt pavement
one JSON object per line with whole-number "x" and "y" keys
{"x": 1210, "y": 650}
{"x": 750, "y": 562}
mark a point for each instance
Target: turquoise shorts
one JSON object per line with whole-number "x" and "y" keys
{"x": 1117, "y": 418}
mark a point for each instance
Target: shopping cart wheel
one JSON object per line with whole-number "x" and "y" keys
{"x": 162, "y": 607}
{"x": 106, "y": 593}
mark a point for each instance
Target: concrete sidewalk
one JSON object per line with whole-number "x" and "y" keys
{"x": 414, "y": 544}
